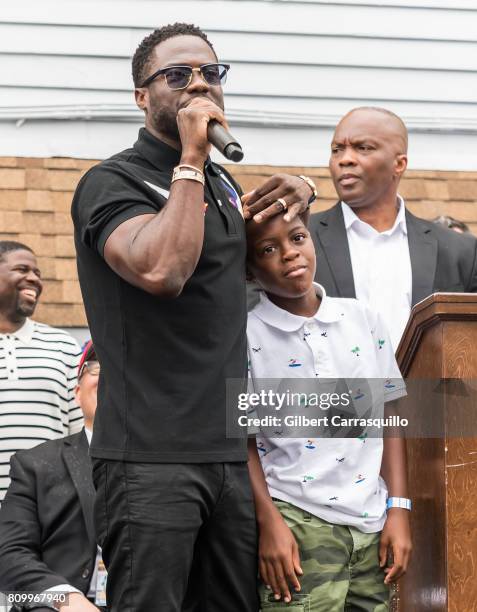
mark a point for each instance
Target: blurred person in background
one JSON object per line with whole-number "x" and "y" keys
{"x": 368, "y": 245}
{"x": 38, "y": 363}
{"x": 47, "y": 538}
{"x": 454, "y": 224}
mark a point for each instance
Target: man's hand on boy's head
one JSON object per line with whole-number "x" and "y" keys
{"x": 278, "y": 557}
{"x": 395, "y": 543}
{"x": 262, "y": 203}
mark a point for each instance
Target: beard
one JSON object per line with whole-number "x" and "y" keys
{"x": 24, "y": 309}
{"x": 15, "y": 309}
{"x": 164, "y": 121}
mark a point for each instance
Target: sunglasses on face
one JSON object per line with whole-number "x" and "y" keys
{"x": 179, "y": 77}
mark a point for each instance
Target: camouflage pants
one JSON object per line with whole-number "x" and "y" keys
{"x": 340, "y": 565}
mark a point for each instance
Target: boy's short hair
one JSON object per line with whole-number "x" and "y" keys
{"x": 304, "y": 217}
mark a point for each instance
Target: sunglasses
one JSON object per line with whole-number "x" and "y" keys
{"x": 179, "y": 77}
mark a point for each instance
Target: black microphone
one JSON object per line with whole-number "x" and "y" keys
{"x": 224, "y": 141}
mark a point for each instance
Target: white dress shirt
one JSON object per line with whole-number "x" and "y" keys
{"x": 382, "y": 268}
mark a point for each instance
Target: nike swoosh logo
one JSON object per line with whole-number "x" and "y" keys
{"x": 159, "y": 190}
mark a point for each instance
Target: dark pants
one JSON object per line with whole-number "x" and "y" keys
{"x": 177, "y": 537}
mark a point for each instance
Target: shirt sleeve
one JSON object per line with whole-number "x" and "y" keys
{"x": 106, "y": 197}
{"x": 394, "y": 385}
{"x": 59, "y": 588}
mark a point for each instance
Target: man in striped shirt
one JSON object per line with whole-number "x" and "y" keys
{"x": 38, "y": 364}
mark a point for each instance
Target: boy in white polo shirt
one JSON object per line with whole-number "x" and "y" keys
{"x": 325, "y": 540}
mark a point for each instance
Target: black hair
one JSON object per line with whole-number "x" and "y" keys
{"x": 452, "y": 223}
{"x": 303, "y": 216}
{"x": 7, "y": 246}
{"x": 142, "y": 55}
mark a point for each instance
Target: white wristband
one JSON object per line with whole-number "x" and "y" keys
{"x": 399, "y": 502}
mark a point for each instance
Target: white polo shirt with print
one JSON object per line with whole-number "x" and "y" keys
{"x": 336, "y": 479}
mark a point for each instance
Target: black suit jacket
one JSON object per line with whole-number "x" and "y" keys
{"x": 46, "y": 520}
{"x": 441, "y": 259}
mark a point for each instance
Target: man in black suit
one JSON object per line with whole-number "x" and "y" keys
{"x": 368, "y": 245}
{"x": 47, "y": 537}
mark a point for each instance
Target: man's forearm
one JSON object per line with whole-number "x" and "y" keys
{"x": 168, "y": 247}
{"x": 159, "y": 252}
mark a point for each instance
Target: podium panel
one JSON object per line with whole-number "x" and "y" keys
{"x": 440, "y": 343}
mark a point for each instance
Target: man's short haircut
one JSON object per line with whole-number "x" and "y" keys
{"x": 7, "y": 246}
{"x": 397, "y": 119}
{"x": 142, "y": 55}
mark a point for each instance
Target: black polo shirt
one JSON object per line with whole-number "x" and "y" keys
{"x": 164, "y": 362}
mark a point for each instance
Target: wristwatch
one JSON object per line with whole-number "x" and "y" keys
{"x": 399, "y": 502}
{"x": 312, "y": 186}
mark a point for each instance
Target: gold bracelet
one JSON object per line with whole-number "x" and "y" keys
{"x": 190, "y": 175}
{"x": 312, "y": 186}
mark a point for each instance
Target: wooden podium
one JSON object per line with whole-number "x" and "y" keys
{"x": 440, "y": 343}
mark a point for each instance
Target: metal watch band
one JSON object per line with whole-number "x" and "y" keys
{"x": 312, "y": 186}
{"x": 188, "y": 166}
{"x": 181, "y": 173}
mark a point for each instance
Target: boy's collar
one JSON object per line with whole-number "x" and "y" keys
{"x": 328, "y": 312}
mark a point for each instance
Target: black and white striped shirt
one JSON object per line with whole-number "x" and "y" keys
{"x": 38, "y": 368}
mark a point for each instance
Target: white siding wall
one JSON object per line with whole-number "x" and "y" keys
{"x": 65, "y": 85}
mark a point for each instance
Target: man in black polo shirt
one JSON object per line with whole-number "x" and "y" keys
{"x": 161, "y": 264}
